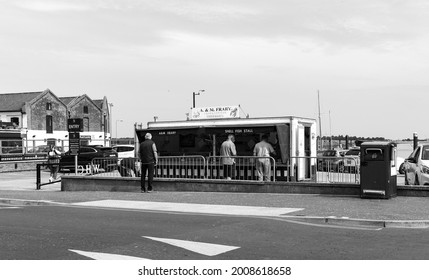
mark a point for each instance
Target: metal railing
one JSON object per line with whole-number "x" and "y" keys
{"x": 43, "y": 180}
{"x": 243, "y": 168}
{"x": 325, "y": 169}
{"x": 184, "y": 167}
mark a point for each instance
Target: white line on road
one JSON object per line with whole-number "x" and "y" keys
{"x": 104, "y": 256}
{"x": 207, "y": 249}
{"x": 192, "y": 208}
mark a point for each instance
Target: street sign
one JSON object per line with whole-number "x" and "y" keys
{"x": 74, "y": 143}
{"x": 75, "y": 125}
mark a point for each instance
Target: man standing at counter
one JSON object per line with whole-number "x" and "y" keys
{"x": 227, "y": 151}
{"x": 263, "y": 150}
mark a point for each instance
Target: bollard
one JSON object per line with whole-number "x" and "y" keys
{"x": 38, "y": 176}
{"x": 415, "y": 140}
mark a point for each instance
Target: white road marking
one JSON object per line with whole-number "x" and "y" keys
{"x": 104, "y": 256}
{"x": 192, "y": 208}
{"x": 10, "y": 207}
{"x": 207, "y": 249}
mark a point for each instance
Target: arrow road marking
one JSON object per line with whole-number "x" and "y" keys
{"x": 207, "y": 249}
{"x": 192, "y": 208}
{"x": 104, "y": 256}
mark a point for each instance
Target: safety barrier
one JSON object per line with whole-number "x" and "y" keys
{"x": 185, "y": 167}
{"x": 243, "y": 168}
{"x": 109, "y": 167}
{"x": 42, "y": 180}
{"x": 182, "y": 167}
{"x": 326, "y": 169}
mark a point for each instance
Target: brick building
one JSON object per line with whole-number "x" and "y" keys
{"x": 32, "y": 119}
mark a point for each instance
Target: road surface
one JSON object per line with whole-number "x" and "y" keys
{"x": 85, "y": 231}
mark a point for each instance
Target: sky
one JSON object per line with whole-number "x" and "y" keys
{"x": 368, "y": 60}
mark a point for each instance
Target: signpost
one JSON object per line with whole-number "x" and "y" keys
{"x": 75, "y": 126}
{"x": 220, "y": 112}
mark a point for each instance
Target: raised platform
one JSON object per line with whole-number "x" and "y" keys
{"x": 119, "y": 184}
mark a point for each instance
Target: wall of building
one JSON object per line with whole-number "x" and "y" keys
{"x": 38, "y": 112}
{"x": 33, "y": 127}
{"x": 94, "y": 114}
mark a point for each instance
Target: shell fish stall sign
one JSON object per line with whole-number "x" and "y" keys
{"x": 220, "y": 112}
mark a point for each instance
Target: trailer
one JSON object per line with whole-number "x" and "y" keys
{"x": 293, "y": 138}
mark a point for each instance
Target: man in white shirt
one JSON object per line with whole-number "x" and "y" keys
{"x": 263, "y": 150}
{"x": 227, "y": 151}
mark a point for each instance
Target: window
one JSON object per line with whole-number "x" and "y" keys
{"x": 48, "y": 106}
{"x": 85, "y": 109}
{"x": 49, "y": 124}
{"x": 14, "y": 120}
{"x": 87, "y": 150}
{"x": 425, "y": 155}
{"x": 353, "y": 153}
{"x": 121, "y": 149}
{"x": 416, "y": 157}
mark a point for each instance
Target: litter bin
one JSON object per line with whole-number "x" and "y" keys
{"x": 378, "y": 170}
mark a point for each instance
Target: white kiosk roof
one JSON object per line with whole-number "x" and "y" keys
{"x": 228, "y": 122}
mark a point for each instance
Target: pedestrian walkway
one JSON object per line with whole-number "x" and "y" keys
{"x": 26, "y": 181}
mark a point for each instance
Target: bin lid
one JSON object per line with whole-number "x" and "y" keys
{"x": 378, "y": 144}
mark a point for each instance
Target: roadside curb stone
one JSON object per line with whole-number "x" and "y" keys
{"x": 26, "y": 202}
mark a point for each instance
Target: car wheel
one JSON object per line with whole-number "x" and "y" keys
{"x": 416, "y": 182}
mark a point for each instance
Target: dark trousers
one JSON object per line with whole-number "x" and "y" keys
{"x": 229, "y": 171}
{"x": 149, "y": 168}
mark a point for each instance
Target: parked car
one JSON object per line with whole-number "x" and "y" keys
{"x": 417, "y": 166}
{"x": 331, "y": 160}
{"x": 15, "y": 151}
{"x": 124, "y": 151}
{"x": 352, "y": 160}
{"x": 87, "y": 154}
{"x": 400, "y": 164}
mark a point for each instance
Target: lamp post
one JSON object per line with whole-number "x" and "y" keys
{"x": 116, "y": 138}
{"x": 193, "y": 96}
{"x": 110, "y": 120}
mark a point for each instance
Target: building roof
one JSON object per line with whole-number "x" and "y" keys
{"x": 67, "y": 100}
{"x": 12, "y": 102}
{"x": 99, "y": 103}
